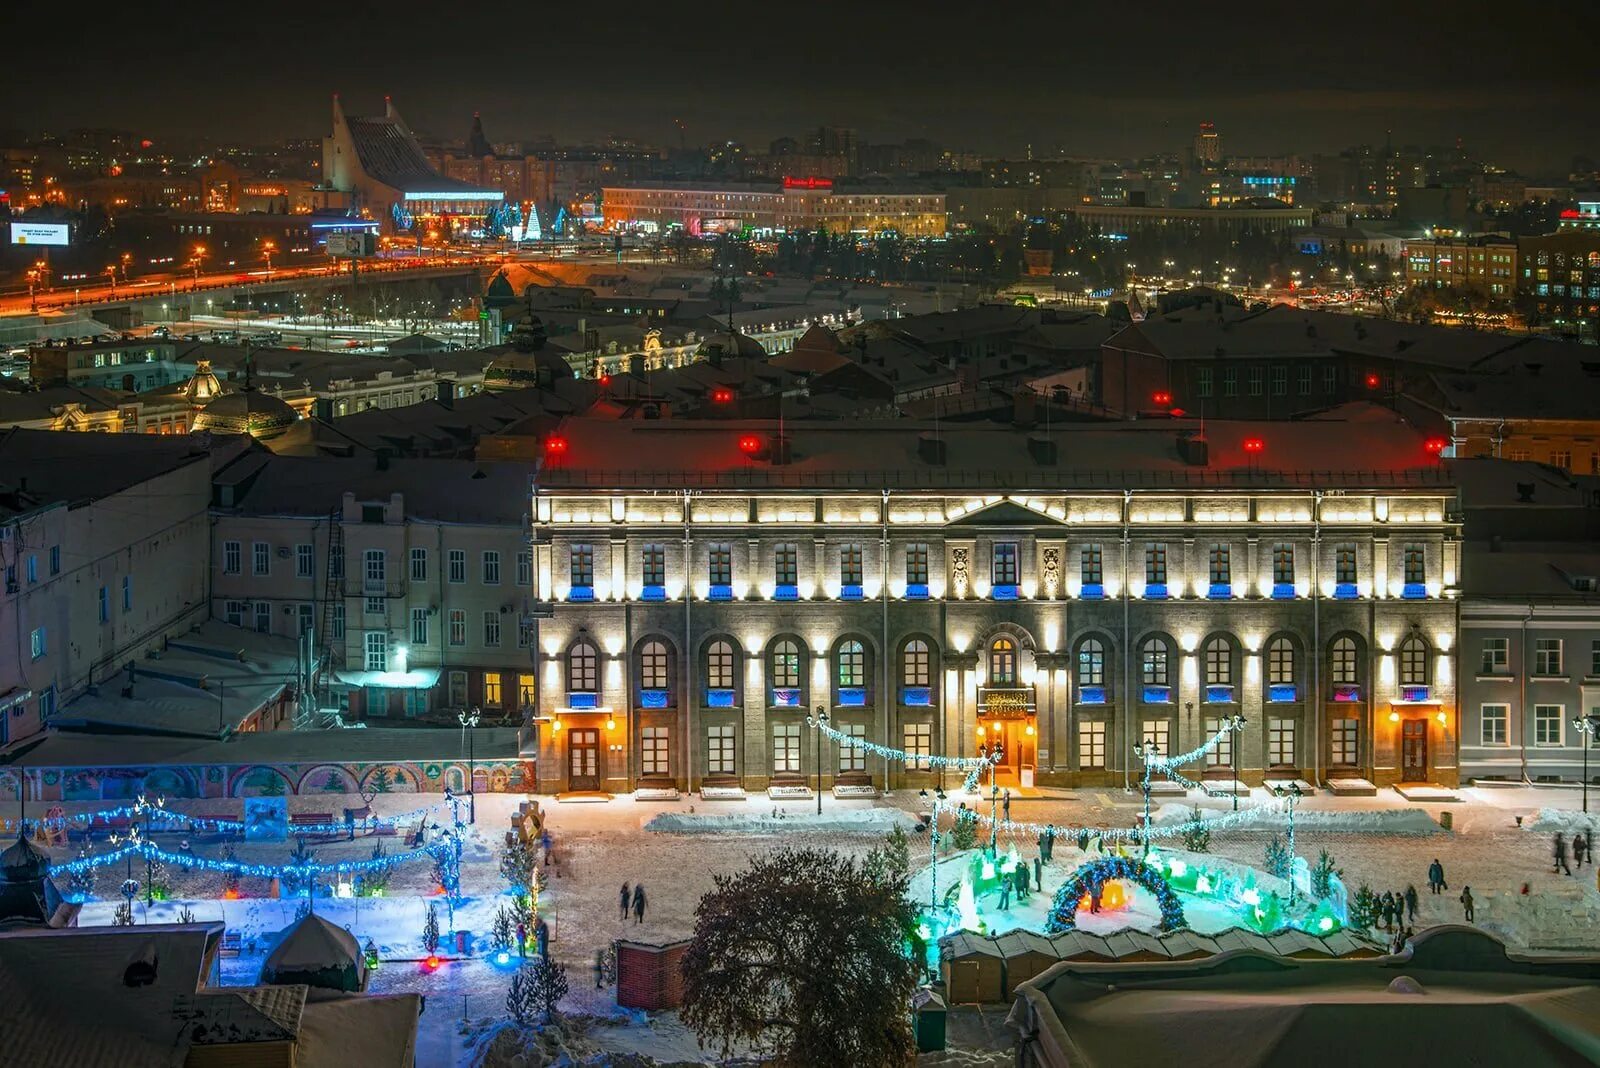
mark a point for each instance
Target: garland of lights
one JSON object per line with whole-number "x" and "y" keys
{"x": 1157, "y": 762}
{"x": 447, "y": 847}
{"x": 974, "y": 766}
{"x": 1093, "y": 876}
{"x": 154, "y": 813}
{"x": 1131, "y": 834}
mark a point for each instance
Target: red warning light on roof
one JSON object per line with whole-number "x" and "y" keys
{"x": 1162, "y": 397}
{"x": 1372, "y": 381}
{"x": 749, "y": 444}
{"x": 555, "y": 445}
{"x": 807, "y": 183}
{"x": 1436, "y": 446}
{"x": 1254, "y": 445}
{"x": 722, "y": 395}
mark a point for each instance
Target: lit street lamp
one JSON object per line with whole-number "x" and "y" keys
{"x": 469, "y": 720}
{"x": 1237, "y": 726}
{"x": 1588, "y": 726}
{"x": 822, "y": 721}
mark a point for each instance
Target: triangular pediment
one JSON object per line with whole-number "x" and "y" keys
{"x": 1004, "y": 513}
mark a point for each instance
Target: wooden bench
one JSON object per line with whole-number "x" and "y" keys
{"x": 312, "y": 820}
{"x": 230, "y": 944}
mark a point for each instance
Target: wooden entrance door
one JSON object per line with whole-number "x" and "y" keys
{"x": 1414, "y": 750}
{"x": 583, "y": 759}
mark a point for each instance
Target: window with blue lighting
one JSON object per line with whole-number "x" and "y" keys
{"x": 917, "y": 569}
{"x": 1283, "y": 591}
{"x": 1091, "y": 695}
{"x": 1155, "y": 591}
{"x": 916, "y": 696}
{"x": 653, "y": 570}
{"x": 850, "y": 570}
{"x": 1219, "y": 591}
{"x": 1157, "y": 695}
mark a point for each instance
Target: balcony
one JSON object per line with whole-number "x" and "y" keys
{"x": 1092, "y": 591}
{"x": 655, "y": 698}
{"x": 1414, "y": 591}
{"x": 1282, "y": 692}
{"x": 1091, "y": 695}
{"x": 720, "y": 698}
{"x": 1219, "y": 694}
{"x": 583, "y": 699}
{"x": 787, "y": 697}
{"x": 850, "y": 592}
{"x": 1283, "y": 591}
{"x": 916, "y": 591}
{"x": 1345, "y": 591}
{"x": 1006, "y": 591}
{"x": 720, "y": 592}
{"x": 1157, "y": 695}
{"x": 1006, "y": 700}
{"x": 916, "y": 696}
{"x": 1346, "y": 693}
{"x": 1220, "y": 591}
{"x": 1415, "y": 695}
{"x": 786, "y": 591}
{"x": 852, "y": 696}
{"x": 580, "y": 593}
{"x": 653, "y": 593}
{"x": 1155, "y": 591}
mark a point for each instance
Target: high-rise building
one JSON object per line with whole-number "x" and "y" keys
{"x": 1207, "y": 146}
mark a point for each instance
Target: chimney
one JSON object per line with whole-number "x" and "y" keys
{"x": 931, "y": 449}
{"x": 1193, "y": 450}
{"x": 447, "y": 392}
{"x": 1042, "y": 448}
{"x": 1023, "y": 404}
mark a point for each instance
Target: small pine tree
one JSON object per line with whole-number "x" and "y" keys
{"x": 1322, "y": 875}
{"x": 301, "y": 856}
{"x": 503, "y": 931}
{"x": 230, "y": 879}
{"x": 81, "y": 880}
{"x": 897, "y": 853}
{"x": 519, "y": 865}
{"x": 1196, "y": 835}
{"x": 964, "y": 835}
{"x": 1364, "y": 909}
{"x": 186, "y": 915}
{"x": 159, "y": 887}
{"x": 430, "y": 931}
{"x": 382, "y": 781}
{"x": 376, "y": 878}
{"x": 271, "y": 784}
{"x": 1277, "y": 858}
{"x": 536, "y": 988}
{"x": 124, "y": 915}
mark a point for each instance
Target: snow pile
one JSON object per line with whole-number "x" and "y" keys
{"x": 1562, "y": 819}
{"x": 1408, "y": 821}
{"x": 565, "y": 1043}
{"x": 846, "y": 821}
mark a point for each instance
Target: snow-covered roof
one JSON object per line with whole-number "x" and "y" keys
{"x": 312, "y": 943}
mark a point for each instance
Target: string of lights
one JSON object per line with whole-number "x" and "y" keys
{"x": 974, "y": 766}
{"x": 136, "y": 846}
{"x": 162, "y": 818}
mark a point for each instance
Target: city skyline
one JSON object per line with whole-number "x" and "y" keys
{"x": 1514, "y": 93}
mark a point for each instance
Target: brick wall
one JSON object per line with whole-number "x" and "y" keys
{"x": 650, "y": 977}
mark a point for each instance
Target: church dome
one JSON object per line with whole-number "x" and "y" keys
{"x": 247, "y": 412}
{"x": 203, "y": 387}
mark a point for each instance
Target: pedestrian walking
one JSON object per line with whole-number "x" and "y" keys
{"x": 544, "y": 844}
{"x": 1038, "y": 875}
{"x": 599, "y": 969}
{"x": 1435, "y": 876}
{"x": 1411, "y": 903}
{"x": 522, "y": 940}
{"x": 1094, "y": 899}
{"x": 624, "y": 900}
{"x": 1049, "y": 844}
{"x": 1005, "y": 805}
{"x": 1386, "y": 909}
{"x": 638, "y": 902}
{"x": 1560, "y": 851}
{"x": 1580, "y": 849}
{"x": 1466, "y": 902}
{"x": 1020, "y": 874}
{"x": 1005, "y": 892}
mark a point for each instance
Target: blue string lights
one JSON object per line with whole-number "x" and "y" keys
{"x": 136, "y": 845}
{"x": 1090, "y": 879}
{"x": 159, "y": 818}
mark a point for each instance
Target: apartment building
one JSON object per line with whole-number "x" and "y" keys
{"x": 700, "y": 588}
{"x": 415, "y": 576}
{"x": 104, "y": 549}
{"x": 1485, "y": 265}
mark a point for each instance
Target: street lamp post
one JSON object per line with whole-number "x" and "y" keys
{"x": 469, "y": 721}
{"x": 1149, "y": 752}
{"x": 1237, "y": 727}
{"x": 822, "y": 721}
{"x": 1588, "y": 726}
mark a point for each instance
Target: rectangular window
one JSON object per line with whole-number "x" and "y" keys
{"x": 719, "y": 666}
{"x": 655, "y": 750}
{"x": 232, "y": 613}
{"x": 1280, "y": 742}
{"x": 1283, "y": 564}
{"x": 491, "y": 628}
{"x": 786, "y": 565}
{"x": 919, "y": 745}
{"x": 1496, "y": 657}
{"x": 653, "y": 566}
{"x": 304, "y": 561}
{"x": 1344, "y": 565}
{"x": 1003, "y": 566}
{"x": 1257, "y": 378}
{"x": 786, "y": 748}
{"x": 853, "y": 758}
{"x": 374, "y": 606}
{"x": 1203, "y": 382}
{"x": 1091, "y": 745}
{"x": 524, "y": 568}
{"x": 580, "y": 567}
{"x": 458, "y": 627}
{"x": 1594, "y": 658}
{"x": 1155, "y": 564}
{"x": 419, "y": 626}
{"x": 1230, "y": 382}
{"x": 719, "y": 751}
{"x": 33, "y": 570}
{"x": 1221, "y": 756}
{"x": 1154, "y": 663}
{"x": 850, "y": 565}
{"x": 264, "y": 617}
{"x": 127, "y": 593}
{"x": 917, "y": 566}
{"x": 377, "y": 648}
{"x": 374, "y": 568}
{"x": 1330, "y": 378}
{"x": 338, "y": 621}
{"x": 1280, "y": 381}
{"x": 1157, "y": 731}
{"x": 493, "y": 694}
{"x": 230, "y": 558}
{"x": 1547, "y": 724}
{"x": 456, "y": 688}
{"x": 1342, "y": 738}
{"x": 1091, "y": 565}
{"x": 260, "y": 558}
{"x": 105, "y": 605}
{"x": 1221, "y": 566}
{"x": 526, "y": 688}
{"x": 1496, "y": 724}
{"x": 419, "y": 565}
{"x": 720, "y": 565}
{"x": 55, "y": 559}
{"x": 1547, "y": 656}
{"x": 1305, "y": 381}
{"x": 458, "y": 565}
{"x": 491, "y": 567}
{"x": 1416, "y": 568}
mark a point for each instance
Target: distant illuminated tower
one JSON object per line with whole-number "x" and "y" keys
{"x": 1207, "y": 146}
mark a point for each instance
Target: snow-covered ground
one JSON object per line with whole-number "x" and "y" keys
{"x": 1381, "y": 841}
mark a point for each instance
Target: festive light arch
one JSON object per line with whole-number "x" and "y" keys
{"x": 1092, "y": 878}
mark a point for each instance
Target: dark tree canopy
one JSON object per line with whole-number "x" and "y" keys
{"x": 803, "y": 957}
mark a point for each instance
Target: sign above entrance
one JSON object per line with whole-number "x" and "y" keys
{"x": 1008, "y": 703}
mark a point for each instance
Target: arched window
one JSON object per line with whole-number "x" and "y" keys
{"x": 1091, "y": 663}
{"x": 583, "y": 667}
{"x": 785, "y": 669}
{"x": 720, "y": 671}
{"x": 1219, "y": 662}
{"x": 655, "y": 665}
{"x": 1003, "y": 662}
{"x": 1344, "y": 662}
{"x": 1154, "y": 658}
{"x": 1280, "y": 662}
{"x": 852, "y": 664}
{"x": 1413, "y": 662}
{"x": 914, "y": 663}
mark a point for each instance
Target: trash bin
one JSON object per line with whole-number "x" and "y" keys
{"x": 1446, "y": 819}
{"x": 928, "y": 1014}
{"x": 464, "y": 943}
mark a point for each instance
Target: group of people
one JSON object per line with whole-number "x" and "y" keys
{"x": 1397, "y": 907}
{"x": 1581, "y": 847}
{"x": 632, "y": 899}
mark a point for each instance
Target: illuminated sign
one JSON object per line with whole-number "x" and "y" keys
{"x": 26, "y": 233}
{"x": 807, "y": 183}
{"x": 475, "y": 194}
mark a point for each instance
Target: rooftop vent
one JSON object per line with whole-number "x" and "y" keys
{"x": 1193, "y": 450}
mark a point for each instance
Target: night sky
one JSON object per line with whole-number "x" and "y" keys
{"x": 1107, "y": 79}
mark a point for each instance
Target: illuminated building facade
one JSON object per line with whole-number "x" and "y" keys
{"x": 793, "y": 205}
{"x": 1486, "y": 265}
{"x": 1068, "y": 594}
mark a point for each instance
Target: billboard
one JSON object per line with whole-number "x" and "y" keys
{"x": 353, "y": 243}
{"x": 27, "y": 233}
